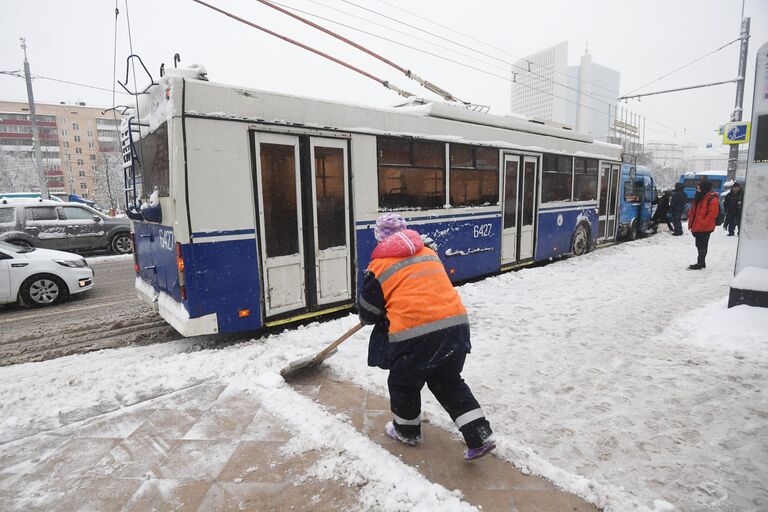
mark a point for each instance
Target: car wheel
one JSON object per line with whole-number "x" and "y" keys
{"x": 121, "y": 244}
{"x": 580, "y": 244}
{"x": 43, "y": 290}
{"x": 632, "y": 232}
{"x": 22, "y": 243}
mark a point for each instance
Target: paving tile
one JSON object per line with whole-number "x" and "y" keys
{"x": 310, "y": 391}
{"x": 138, "y": 457}
{"x": 113, "y": 425}
{"x": 23, "y": 456}
{"x": 265, "y": 462}
{"x": 168, "y": 495}
{"x": 201, "y": 397}
{"x": 491, "y": 501}
{"x": 195, "y": 459}
{"x": 98, "y": 494}
{"x": 220, "y": 424}
{"x": 168, "y": 423}
{"x": 342, "y": 396}
{"x": 550, "y": 501}
{"x": 374, "y": 402}
{"x": 76, "y": 457}
{"x": 322, "y": 496}
{"x": 265, "y": 427}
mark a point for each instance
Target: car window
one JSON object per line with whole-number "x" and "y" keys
{"x": 75, "y": 212}
{"x": 7, "y": 215}
{"x": 41, "y": 213}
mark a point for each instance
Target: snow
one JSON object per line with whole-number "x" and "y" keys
{"x": 111, "y": 257}
{"x": 619, "y": 375}
{"x": 751, "y": 278}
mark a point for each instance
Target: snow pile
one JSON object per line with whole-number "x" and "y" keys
{"x": 751, "y": 278}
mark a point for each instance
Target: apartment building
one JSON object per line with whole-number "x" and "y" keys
{"x": 77, "y": 143}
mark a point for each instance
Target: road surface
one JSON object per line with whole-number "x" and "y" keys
{"x": 109, "y": 315}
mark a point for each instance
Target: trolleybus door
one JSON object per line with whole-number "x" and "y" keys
{"x": 528, "y": 186}
{"x": 510, "y": 215}
{"x": 279, "y": 200}
{"x": 331, "y": 220}
{"x": 611, "y": 225}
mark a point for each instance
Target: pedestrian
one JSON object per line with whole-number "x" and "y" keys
{"x": 677, "y": 207}
{"x": 732, "y": 206}
{"x": 701, "y": 220}
{"x": 420, "y": 334}
{"x": 662, "y": 212}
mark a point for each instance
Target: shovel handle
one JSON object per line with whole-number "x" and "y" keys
{"x": 319, "y": 357}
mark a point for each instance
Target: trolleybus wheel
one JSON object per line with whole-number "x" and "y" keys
{"x": 580, "y": 243}
{"x": 632, "y": 233}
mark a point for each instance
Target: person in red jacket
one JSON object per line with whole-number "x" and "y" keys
{"x": 701, "y": 220}
{"x": 420, "y": 334}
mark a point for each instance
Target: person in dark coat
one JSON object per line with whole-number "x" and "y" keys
{"x": 420, "y": 334}
{"x": 677, "y": 208}
{"x": 732, "y": 205}
{"x": 661, "y": 213}
{"x": 701, "y": 220}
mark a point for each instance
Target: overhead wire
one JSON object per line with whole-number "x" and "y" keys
{"x": 41, "y": 77}
{"x": 726, "y": 45}
{"x": 407, "y": 72}
{"x": 385, "y": 83}
{"x": 507, "y": 52}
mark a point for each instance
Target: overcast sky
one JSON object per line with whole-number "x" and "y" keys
{"x": 74, "y": 41}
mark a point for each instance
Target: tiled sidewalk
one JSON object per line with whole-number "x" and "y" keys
{"x": 201, "y": 449}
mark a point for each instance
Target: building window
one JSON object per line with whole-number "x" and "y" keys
{"x": 65, "y": 144}
{"x": 93, "y": 168}
{"x": 81, "y": 172}
{"x": 585, "y": 179}
{"x": 63, "y": 132}
{"x": 474, "y": 176}
{"x": 80, "y": 161}
{"x": 63, "y": 119}
{"x": 77, "y": 138}
{"x": 90, "y": 133}
{"x": 90, "y": 145}
{"x": 75, "y": 126}
{"x": 83, "y": 185}
{"x": 411, "y": 173}
{"x": 79, "y": 150}
{"x": 92, "y": 157}
{"x": 556, "y": 178}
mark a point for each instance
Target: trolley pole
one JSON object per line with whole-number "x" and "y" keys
{"x": 733, "y": 156}
{"x": 35, "y": 131}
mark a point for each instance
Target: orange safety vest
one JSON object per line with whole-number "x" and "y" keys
{"x": 419, "y": 296}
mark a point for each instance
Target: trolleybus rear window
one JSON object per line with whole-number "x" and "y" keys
{"x": 153, "y": 169}
{"x": 411, "y": 173}
{"x": 474, "y": 176}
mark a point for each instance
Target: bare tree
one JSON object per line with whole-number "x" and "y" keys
{"x": 17, "y": 174}
{"x": 108, "y": 177}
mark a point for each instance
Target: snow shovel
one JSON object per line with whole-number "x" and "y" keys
{"x": 303, "y": 363}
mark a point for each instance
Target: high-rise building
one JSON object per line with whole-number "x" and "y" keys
{"x": 541, "y": 93}
{"x": 79, "y": 145}
{"x": 582, "y": 96}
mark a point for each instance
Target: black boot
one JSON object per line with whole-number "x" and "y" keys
{"x": 696, "y": 266}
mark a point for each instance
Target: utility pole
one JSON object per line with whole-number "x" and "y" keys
{"x": 733, "y": 155}
{"x": 35, "y": 131}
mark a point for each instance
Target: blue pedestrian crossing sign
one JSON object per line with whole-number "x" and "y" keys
{"x": 736, "y": 133}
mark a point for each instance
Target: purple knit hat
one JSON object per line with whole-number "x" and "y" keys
{"x": 387, "y": 225}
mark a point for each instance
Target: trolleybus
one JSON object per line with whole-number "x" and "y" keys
{"x": 259, "y": 207}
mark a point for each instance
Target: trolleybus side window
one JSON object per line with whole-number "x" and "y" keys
{"x": 411, "y": 173}
{"x": 278, "y": 168}
{"x": 474, "y": 176}
{"x": 585, "y": 179}
{"x": 329, "y": 180}
{"x": 152, "y": 151}
{"x": 556, "y": 178}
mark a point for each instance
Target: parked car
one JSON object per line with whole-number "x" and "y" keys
{"x": 41, "y": 277}
{"x": 62, "y": 226}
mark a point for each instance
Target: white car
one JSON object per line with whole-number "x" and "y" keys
{"x": 41, "y": 277}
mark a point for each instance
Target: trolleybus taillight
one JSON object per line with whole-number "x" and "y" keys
{"x": 180, "y": 268}
{"x": 135, "y": 255}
